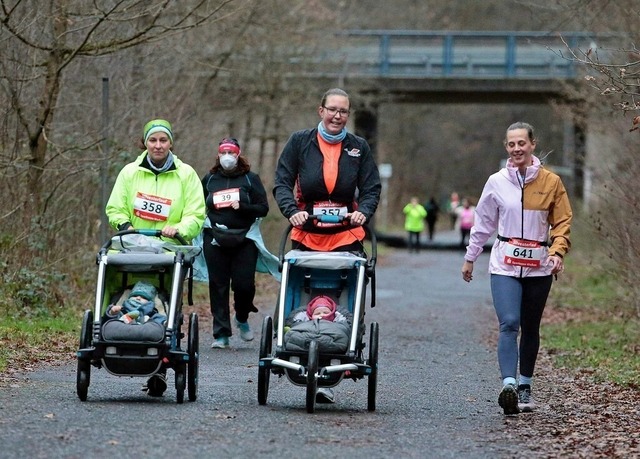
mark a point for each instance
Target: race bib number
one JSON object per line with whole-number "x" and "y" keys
{"x": 150, "y": 207}
{"x": 519, "y": 252}
{"x": 329, "y": 208}
{"x": 224, "y": 198}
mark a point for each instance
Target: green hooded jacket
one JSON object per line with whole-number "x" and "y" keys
{"x": 147, "y": 201}
{"x": 414, "y": 217}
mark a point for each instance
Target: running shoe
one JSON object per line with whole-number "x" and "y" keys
{"x": 220, "y": 343}
{"x": 325, "y": 395}
{"x": 156, "y": 385}
{"x": 245, "y": 330}
{"x": 526, "y": 404}
{"x": 508, "y": 399}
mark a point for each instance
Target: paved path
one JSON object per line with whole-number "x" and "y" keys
{"x": 437, "y": 390}
{"x": 442, "y": 240}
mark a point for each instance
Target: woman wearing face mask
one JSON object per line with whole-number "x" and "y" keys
{"x": 235, "y": 198}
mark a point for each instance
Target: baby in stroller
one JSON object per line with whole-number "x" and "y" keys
{"x": 139, "y": 307}
{"x": 321, "y": 320}
{"x": 320, "y": 307}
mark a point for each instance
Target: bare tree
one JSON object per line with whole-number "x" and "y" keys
{"x": 609, "y": 97}
{"x": 41, "y": 41}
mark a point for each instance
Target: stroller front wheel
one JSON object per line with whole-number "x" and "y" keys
{"x": 83, "y": 378}
{"x": 312, "y": 376}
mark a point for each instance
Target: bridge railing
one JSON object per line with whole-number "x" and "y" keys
{"x": 534, "y": 55}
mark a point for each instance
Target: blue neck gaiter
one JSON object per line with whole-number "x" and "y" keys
{"x": 331, "y": 138}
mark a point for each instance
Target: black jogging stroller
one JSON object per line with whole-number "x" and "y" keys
{"x": 149, "y": 348}
{"x": 344, "y": 277}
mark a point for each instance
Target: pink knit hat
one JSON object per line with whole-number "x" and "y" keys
{"x": 322, "y": 300}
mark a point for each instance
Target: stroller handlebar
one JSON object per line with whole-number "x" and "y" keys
{"x": 145, "y": 232}
{"x": 333, "y": 219}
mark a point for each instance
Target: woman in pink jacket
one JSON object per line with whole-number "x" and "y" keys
{"x": 529, "y": 209}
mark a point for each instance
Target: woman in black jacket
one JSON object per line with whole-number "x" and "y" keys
{"x": 235, "y": 198}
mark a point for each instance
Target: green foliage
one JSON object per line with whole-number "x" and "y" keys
{"x": 609, "y": 348}
{"x": 33, "y": 341}
{"x": 28, "y": 293}
{"x": 596, "y": 327}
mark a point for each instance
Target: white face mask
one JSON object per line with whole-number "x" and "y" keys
{"x": 228, "y": 161}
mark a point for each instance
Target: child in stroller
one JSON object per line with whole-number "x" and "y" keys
{"x": 139, "y": 306}
{"x": 319, "y": 320}
{"x": 320, "y": 307}
{"x": 342, "y": 278}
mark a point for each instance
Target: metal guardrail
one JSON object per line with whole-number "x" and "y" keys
{"x": 433, "y": 54}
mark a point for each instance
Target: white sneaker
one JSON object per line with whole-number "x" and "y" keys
{"x": 325, "y": 395}
{"x": 246, "y": 334}
{"x": 220, "y": 343}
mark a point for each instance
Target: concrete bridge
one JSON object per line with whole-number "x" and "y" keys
{"x": 422, "y": 67}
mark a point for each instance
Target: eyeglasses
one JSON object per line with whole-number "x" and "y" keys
{"x": 332, "y": 111}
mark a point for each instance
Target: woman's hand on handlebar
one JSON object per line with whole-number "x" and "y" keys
{"x": 299, "y": 218}
{"x": 357, "y": 218}
{"x": 169, "y": 231}
{"x": 354, "y": 218}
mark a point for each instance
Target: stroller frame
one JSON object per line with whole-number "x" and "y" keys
{"x": 148, "y": 354}
{"x": 323, "y": 272}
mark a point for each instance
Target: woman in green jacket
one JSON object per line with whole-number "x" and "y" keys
{"x": 157, "y": 191}
{"x": 414, "y": 222}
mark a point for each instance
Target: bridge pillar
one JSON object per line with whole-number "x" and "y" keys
{"x": 574, "y": 157}
{"x": 366, "y": 125}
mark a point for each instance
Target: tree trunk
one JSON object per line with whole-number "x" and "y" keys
{"x": 38, "y": 142}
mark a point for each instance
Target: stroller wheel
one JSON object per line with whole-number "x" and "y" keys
{"x": 312, "y": 379}
{"x": 82, "y": 381}
{"x": 192, "y": 366}
{"x": 180, "y": 384}
{"x": 372, "y": 362}
{"x": 266, "y": 343}
{"x": 83, "y": 378}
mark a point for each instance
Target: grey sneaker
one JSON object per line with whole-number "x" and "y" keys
{"x": 508, "y": 399}
{"x": 526, "y": 403}
{"x": 245, "y": 330}
{"x": 220, "y": 343}
{"x": 325, "y": 395}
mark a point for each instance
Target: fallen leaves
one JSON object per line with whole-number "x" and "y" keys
{"x": 577, "y": 417}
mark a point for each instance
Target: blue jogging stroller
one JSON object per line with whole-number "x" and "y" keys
{"x": 344, "y": 276}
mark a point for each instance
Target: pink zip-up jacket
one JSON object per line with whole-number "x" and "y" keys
{"x": 538, "y": 211}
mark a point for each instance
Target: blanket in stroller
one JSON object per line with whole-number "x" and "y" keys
{"x": 332, "y": 337}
